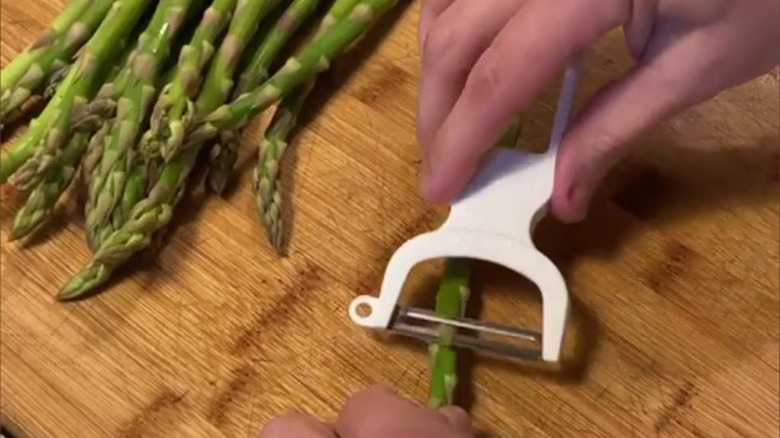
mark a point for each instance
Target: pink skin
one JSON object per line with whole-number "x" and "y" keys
{"x": 376, "y": 413}
{"x": 485, "y": 61}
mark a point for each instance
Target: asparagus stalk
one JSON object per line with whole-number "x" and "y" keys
{"x": 225, "y": 152}
{"x": 120, "y": 155}
{"x": 154, "y": 212}
{"x": 45, "y": 194}
{"x": 175, "y": 100}
{"x": 219, "y": 81}
{"x": 15, "y": 69}
{"x": 298, "y": 69}
{"x": 27, "y": 77}
{"x": 267, "y": 184}
{"x": 242, "y": 26}
{"x": 451, "y": 302}
{"x": 50, "y": 130}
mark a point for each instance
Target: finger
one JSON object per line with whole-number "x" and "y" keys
{"x": 429, "y": 10}
{"x": 640, "y": 26}
{"x": 378, "y": 413}
{"x": 458, "y": 418}
{"x": 297, "y": 426}
{"x": 619, "y": 113}
{"x": 453, "y": 44}
{"x": 522, "y": 61}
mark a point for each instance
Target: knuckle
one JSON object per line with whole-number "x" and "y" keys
{"x": 446, "y": 48}
{"x": 606, "y": 145}
{"x": 438, "y": 39}
{"x": 487, "y": 81}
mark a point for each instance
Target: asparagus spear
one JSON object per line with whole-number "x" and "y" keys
{"x": 267, "y": 184}
{"x": 28, "y": 75}
{"x": 120, "y": 155}
{"x": 45, "y": 194}
{"x": 313, "y": 60}
{"x": 242, "y": 26}
{"x": 175, "y": 100}
{"x": 15, "y": 69}
{"x": 450, "y": 303}
{"x": 50, "y": 130}
{"x": 219, "y": 81}
{"x": 154, "y": 212}
{"x": 225, "y": 152}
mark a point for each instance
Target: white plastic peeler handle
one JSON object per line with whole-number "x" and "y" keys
{"x": 493, "y": 221}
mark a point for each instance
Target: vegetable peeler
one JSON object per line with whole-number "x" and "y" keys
{"x": 493, "y": 221}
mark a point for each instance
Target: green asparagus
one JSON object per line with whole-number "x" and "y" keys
{"x": 298, "y": 69}
{"x": 120, "y": 154}
{"x": 27, "y": 77}
{"x": 45, "y": 194}
{"x": 168, "y": 117}
{"x": 266, "y": 181}
{"x": 225, "y": 152}
{"x": 154, "y": 212}
{"x": 51, "y": 129}
{"x": 451, "y": 302}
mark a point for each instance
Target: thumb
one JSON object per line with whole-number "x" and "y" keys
{"x": 458, "y": 417}
{"x": 616, "y": 115}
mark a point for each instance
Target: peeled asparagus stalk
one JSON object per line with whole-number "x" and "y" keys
{"x": 451, "y": 301}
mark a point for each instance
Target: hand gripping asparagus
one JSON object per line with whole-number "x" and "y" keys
{"x": 29, "y": 74}
{"x": 119, "y": 154}
{"x": 168, "y": 117}
{"x": 225, "y": 152}
{"x": 266, "y": 181}
{"x": 51, "y": 129}
{"x": 154, "y": 212}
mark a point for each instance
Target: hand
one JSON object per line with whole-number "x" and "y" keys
{"x": 485, "y": 61}
{"x": 376, "y": 413}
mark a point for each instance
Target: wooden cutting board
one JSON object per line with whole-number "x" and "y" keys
{"x": 674, "y": 328}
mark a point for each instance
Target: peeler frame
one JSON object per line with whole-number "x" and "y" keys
{"x": 493, "y": 221}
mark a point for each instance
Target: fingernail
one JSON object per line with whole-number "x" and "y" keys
{"x": 578, "y": 200}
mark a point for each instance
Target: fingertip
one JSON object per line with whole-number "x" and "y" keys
{"x": 570, "y": 204}
{"x": 458, "y": 417}
{"x": 442, "y": 184}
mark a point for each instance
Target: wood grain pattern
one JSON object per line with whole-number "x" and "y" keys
{"x": 673, "y": 275}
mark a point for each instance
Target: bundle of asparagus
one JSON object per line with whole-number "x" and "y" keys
{"x": 136, "y": 130}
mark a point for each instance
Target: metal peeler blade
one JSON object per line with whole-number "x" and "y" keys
{"x": 492, "y": 221}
